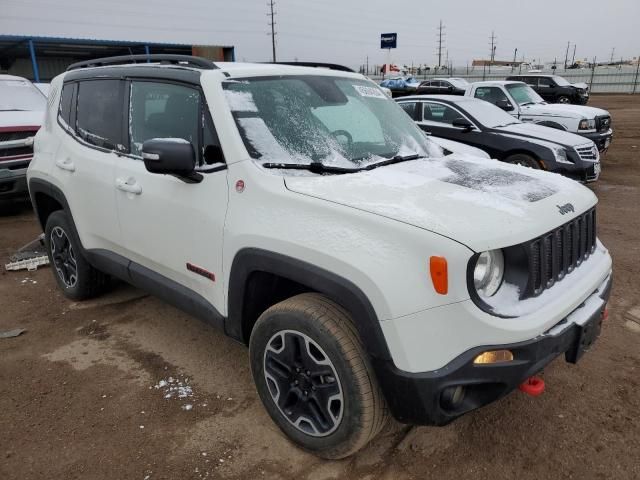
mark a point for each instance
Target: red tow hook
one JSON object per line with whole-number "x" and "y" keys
{"x": 533, "y": 386}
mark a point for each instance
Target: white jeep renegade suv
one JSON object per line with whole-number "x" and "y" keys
{"x": 304, "y": 213}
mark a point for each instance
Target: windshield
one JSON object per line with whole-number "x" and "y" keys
{"x": 488, "y": 114}
{"x": 523, "y": 94}
{"x": 561, "y": 82}
{"x": 20, "y": 95}
{"x": 459, "y": 82}
{"x": 336, "y": 121}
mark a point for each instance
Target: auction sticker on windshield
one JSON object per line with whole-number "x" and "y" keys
{"x": 370, "y": 91}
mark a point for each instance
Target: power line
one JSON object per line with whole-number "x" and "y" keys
{"x": 440, "y": 30}
{"x": 272, "y": 24}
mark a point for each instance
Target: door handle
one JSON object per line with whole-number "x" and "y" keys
{"x": 66, "y": 164}
{"x": 129, "y": 186}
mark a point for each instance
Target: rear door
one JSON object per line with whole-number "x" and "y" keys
{"x": 170, "y": 227}
{"x": 90, "y": 113}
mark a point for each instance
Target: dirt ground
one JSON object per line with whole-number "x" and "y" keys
{"x": 126, "y": 387}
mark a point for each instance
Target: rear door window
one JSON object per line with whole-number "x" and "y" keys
{"x": 99, "y": 113}
{"x": 66, "y": 102}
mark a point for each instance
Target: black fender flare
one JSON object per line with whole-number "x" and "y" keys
{"x": 342, "y": 291}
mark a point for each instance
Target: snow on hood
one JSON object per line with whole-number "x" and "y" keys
{"x": 21, "y": 119}
{"x": 564, "y": 110}
{"x": 481, "y": 205}
{"x": 581, "y": 85}
{"x": 548, "y": 134}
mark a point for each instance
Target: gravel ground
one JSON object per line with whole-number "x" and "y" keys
{"x": 127, "y": 387}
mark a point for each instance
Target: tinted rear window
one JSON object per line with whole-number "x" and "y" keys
{"x": 65, "y": 104}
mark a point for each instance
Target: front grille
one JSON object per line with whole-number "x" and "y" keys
{"x": 603, "y": 123}
{"x": 557, "y": 253}
{"x": 6, "y": 136}
{"x": 588, "y": 152}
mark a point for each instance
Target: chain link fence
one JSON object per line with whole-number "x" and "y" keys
{"x": 625, "y": 79}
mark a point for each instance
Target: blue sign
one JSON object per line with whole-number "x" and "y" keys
{"x": 388, "y": 40}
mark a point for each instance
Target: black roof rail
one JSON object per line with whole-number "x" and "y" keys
{"x": 330, "y": 66}
{"x": 186, "y": 60}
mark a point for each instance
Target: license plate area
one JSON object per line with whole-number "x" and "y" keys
{"x": 587, "y": 336}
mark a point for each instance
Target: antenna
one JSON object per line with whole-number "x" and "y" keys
{"x": 272, "y": 24}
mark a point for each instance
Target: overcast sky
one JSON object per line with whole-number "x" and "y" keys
{"x": 346, "y": 32}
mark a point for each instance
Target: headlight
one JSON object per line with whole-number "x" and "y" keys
{"x": 488, "y": 272}
{"x": 560, "y": 155}
{"x": 587, "y": 124}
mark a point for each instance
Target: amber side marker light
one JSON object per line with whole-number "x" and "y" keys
{"x": 493, "y": 356}
{"x": 438, "y": 270}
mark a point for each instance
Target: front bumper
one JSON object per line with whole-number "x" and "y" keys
{"x": 420, "y": 398}
{"x": 13, "y": 184}
{"x": 601, "y": 139}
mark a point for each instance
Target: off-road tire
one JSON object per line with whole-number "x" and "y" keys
{"x": 89, "y": 281}
{"x": 524, "y": 160}
{"x": 330, "y": 326}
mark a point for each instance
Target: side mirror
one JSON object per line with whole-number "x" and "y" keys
{"x": 462, "y": 123}
{"x": 173, "y": 156}
{"x": 504, "y": 105}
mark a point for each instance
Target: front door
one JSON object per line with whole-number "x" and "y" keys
{"x": 169, "y": 226}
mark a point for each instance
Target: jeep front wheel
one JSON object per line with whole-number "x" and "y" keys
{"x": 313, "y": 377}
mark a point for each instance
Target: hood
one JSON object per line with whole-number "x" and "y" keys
{"x": 21, "y": 119}
{"x": 547, "y": 134}
{"x": 480, "y": 205}
{"x": 583, "y": 86}
{"x": 564, "y": 110}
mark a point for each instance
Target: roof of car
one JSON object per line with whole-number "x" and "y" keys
{"x": 534, "y": 75}
{"x": 494, "y": 82}
{"x": 446, "y": 98}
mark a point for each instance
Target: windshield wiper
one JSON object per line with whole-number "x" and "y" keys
{"x": 319, "y": 167}
{"x": 313, "y": 167}
{"x": 392, "y": 160}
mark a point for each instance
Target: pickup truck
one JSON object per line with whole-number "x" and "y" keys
{"x": 521, "y": 101}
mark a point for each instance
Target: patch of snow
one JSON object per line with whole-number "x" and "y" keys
{"x": 187, "y": 407}
{"x": 239, "y": 101}
{"x": 174, "y": 387}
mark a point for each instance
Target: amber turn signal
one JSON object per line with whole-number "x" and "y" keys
{"x": 494, "y": 356}
{"x": 438, "y": 270}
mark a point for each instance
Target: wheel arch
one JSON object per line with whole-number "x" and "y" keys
{"x": 46, "y": 199}
{"x": 260, "y": 279}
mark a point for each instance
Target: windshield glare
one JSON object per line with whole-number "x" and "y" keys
{"x": 20, "y": 95}
{"x": 523, "y": 93}
{"x": 337, "y": 121}
{"x": 488, "y": 114}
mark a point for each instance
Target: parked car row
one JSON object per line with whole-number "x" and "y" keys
{"x": 552, "y": 88}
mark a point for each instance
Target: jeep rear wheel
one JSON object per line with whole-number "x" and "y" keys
{"x": 313, "y": 377}
{"x": 77, "y": 279}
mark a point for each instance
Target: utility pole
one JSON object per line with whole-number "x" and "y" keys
{"x": 440, "y": 34}
{"x": 566, "y": 56}
{"x": 573, "y": 59}
{"x": 272, "y": 24}
{"x": 613, "y": 52}
{"x": 493, "y": 49}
